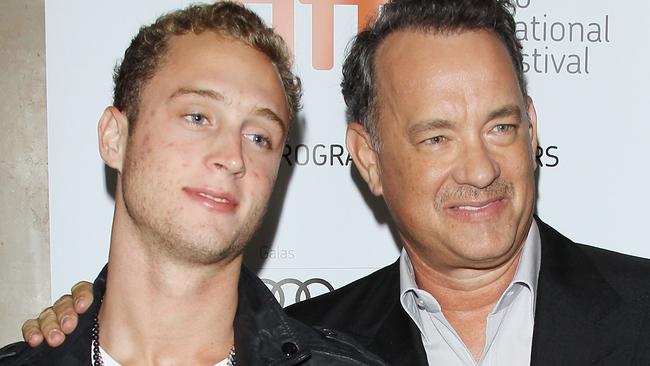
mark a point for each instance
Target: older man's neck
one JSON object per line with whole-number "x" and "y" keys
{"x": 466, "y": 296}
{"x": 158, "y": 312}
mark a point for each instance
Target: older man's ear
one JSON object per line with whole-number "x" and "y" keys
{"x": 360, "y": 146}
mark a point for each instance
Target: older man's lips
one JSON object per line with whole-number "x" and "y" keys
{"x": 214, "y": 201}
{"x": 476, "y": 211}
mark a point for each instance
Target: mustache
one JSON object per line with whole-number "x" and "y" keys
{"x": 498, "y": 188}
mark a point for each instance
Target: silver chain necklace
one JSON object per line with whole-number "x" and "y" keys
{"x": 97, "y": 355}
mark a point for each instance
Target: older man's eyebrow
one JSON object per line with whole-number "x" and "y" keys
{"x": 206, "y": 93}
{"x": 268, "y": 114}
{"x": 434, "y": 124}
{"x": 506, "y": 111}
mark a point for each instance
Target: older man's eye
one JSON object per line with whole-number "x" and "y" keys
{"x": 504, "y": 128}
{"x": 435, "y": 140}
{"x": 196, "y": 119}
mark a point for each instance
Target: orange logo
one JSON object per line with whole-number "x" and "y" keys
{"x": 322, "y": 41}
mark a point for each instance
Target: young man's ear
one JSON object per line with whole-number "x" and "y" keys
{"x": 365, "y": 157}
{"x": 113, "y": 131}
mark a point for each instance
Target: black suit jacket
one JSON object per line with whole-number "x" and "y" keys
{"x": 593, "y": 308}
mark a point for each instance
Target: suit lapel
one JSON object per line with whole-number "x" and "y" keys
{"x": 397, "y": 340}
{"x": 575, "y": 317}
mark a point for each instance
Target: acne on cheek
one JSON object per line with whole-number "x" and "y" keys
{"x": 264, "y": 179}
{"x": 259, "y": 176}
{"x": 146, "y": 146}
{"x": 169, "y": 144}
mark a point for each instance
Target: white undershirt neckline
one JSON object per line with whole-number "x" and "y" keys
{"x": 109, "y": 361}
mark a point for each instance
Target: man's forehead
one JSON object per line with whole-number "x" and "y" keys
{"x": 207, "y": 39}
{"x": 407, "y": 44}
{"x": 410, "y": 58}
{"x": 444, "y": 75}
{"x": 214, "y": 61}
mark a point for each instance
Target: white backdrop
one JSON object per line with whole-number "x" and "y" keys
{"x": 587, "y": 72}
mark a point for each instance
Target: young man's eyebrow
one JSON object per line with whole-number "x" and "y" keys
{"x": 206, "y": 93}
{"x": 272, "y": 116}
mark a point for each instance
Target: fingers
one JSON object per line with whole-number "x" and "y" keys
{"x": 82, "y": 296}
{"x": 62, "y": 318}
{"x": 49, "y": 325}
{"x": 32, "y": 333}
{"x": 66, "y": 316}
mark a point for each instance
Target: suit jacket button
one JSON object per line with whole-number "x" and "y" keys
{"x": 329, "y": 332}
{"x": 289, "y": 348}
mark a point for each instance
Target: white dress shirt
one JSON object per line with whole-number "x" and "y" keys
{"x": 509, "y": 331}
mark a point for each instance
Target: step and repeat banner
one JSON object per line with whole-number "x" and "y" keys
{"x": 586, "y": 62}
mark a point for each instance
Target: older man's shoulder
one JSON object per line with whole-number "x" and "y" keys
{"x": 360, "y": 300}
{"x": 621, "y": 270}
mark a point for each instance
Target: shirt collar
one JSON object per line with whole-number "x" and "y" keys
{"x": 414, "y": 300}
{"x": 528, "y": 269}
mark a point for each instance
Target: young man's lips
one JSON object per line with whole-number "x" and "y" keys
{"x": 216, "y": 201}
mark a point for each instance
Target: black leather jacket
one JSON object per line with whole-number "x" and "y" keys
{"x": 264, "y": 335}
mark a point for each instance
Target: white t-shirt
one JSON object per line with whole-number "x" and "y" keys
{"x": 109, "y": 361}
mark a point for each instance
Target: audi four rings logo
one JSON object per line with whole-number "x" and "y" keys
{"x": 303, "y": 290}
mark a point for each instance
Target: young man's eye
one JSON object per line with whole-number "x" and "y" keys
{"x": 196, "y": 119}
{"x": 259, "y": 140}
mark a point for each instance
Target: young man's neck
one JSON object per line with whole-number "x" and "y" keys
{"x": 157, "y": 311}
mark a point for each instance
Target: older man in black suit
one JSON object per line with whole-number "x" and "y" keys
{"x": 441, "y": 126}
